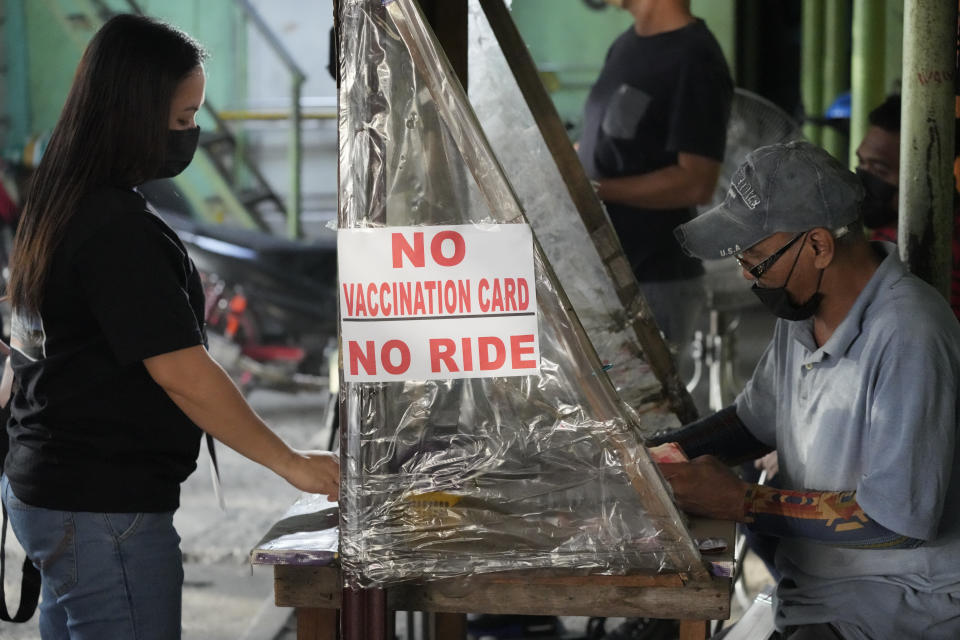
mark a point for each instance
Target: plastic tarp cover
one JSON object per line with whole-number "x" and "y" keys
{"x": 519, "y": 146}
{"x": 448, "y": 478}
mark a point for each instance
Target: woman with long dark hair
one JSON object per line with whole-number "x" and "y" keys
{"x": 112, "y": 382}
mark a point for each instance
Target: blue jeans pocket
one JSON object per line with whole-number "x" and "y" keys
{"x": 123, "y": 525}
{"x": 49, "y": 538}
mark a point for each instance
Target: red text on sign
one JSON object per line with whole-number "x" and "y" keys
{"x": 444, "y": 240}
{"x": 489, "y": 352}
{"x": 503, "y": 294}
{"x": 394, "y": 357}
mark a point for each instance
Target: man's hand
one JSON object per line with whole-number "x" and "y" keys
{"x": 314, "y": 472}
{"x": 769, "y": 463}
{"x": 688, "y": 183}
{"x": 706, "y": 487}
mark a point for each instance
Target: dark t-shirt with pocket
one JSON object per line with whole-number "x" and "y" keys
{"x": 90, "y": 429}
{"x": 656, "y": 96}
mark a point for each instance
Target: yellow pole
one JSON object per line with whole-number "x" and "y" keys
{"x": 836, "y": 69}
{"x": 866, "y": 67}
{"x": 811, "y": 67}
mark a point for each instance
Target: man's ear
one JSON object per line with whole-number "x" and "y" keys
{"x": 824, "y": 246}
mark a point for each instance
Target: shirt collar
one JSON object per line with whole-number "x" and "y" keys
{"x": 889, "y": 271}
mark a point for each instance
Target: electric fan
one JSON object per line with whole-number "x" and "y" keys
{"x": 754, "y": 122}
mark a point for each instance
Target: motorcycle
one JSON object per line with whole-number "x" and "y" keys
{"x": 271, "y": 302}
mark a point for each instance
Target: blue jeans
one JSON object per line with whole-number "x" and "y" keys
{"x": 105, "y": 575}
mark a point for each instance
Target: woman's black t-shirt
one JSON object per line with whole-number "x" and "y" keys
{"x": 90, "y": 429}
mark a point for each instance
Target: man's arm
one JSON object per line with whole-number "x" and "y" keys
{"x": 721, "y": 434}
{"x": 688, "y": 183}
{"x": 706, "y": 487}
{"x": 830, "y": 517}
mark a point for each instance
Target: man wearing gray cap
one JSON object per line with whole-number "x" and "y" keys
{"x": 857, "y": 391}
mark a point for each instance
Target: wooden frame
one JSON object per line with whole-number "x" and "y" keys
{"x": 691, "y": 595}
{"x": 316, "y": 593}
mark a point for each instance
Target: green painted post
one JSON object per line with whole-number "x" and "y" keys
{"x": 18, "y": 94}
{"x": 867, "y": 67}
{"x": 836, "y": 69}
{"x": 926, "y": 140}
{"x": 238, "y": 53}
{"x": 54, "y": 44}
{"x": 547, "y": 27}
{"x": 811, "y": 67}
{"x": 893, "y": 47}
{"x": 721, "y": 19}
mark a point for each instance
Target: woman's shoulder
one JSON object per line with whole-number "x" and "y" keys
{"x": 109, "y": 205}
{"x": 109, "y": 215}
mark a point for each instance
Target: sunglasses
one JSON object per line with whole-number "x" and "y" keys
{"x": 756, "y": 272}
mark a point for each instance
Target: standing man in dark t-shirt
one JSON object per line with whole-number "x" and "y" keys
{"x": 653, "y": 139}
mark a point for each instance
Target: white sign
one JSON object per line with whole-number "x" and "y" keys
{"x": 437, "y": 302}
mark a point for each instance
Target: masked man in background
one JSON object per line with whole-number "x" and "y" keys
{"x": 878, "y": 167}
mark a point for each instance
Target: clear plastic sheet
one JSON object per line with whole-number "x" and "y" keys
{"x": 520, "y": 148}
{"x": 452, "y": 478}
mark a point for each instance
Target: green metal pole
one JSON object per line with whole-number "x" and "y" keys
{"x": 811, "y": 67}
{"x": 926, "y": 140}
{"x": 18, "y": 86}
{"x": 239, "y": 93}
{"x": 296, "y": 159}
{"x": 867, "y": 67}
{"x": 893, "y": 49}
{"x": 836, "y": 69}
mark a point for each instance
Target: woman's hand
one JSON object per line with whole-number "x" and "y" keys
{"x": 203, "y": 391}
{"x": 314, "y": 472}
{"x": 707, "y": 487}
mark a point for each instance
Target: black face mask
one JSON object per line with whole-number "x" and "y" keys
{"x": 181, "y": 145}
{"x": 778, "y": 300}
{"x": 877, "y": 209}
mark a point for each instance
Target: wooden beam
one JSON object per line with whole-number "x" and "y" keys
{"x": 711, "y": 602}
{"x": 693, "y": 630}
{"x": 466, "y": 131}
{"x": 585, "y": 199}
{"x": 446, "y": 626}
{"x": 306, "y": 586}
{"x": 317, "y": 624}
{"x": 653, "y": 596}
{"x": 448, "y": 18}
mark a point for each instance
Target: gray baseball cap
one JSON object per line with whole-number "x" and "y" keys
{"x": 782, "y": 187}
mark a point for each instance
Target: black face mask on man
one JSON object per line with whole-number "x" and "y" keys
{"x": 777, "y": 300}
{"x": 181, "y": 146}
{"x": 877, "y": 208}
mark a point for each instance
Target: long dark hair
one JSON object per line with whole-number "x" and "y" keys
{"x": 111, "y": 132}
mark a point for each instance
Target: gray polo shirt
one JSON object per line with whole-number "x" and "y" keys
{"x": 875, "y": 409}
